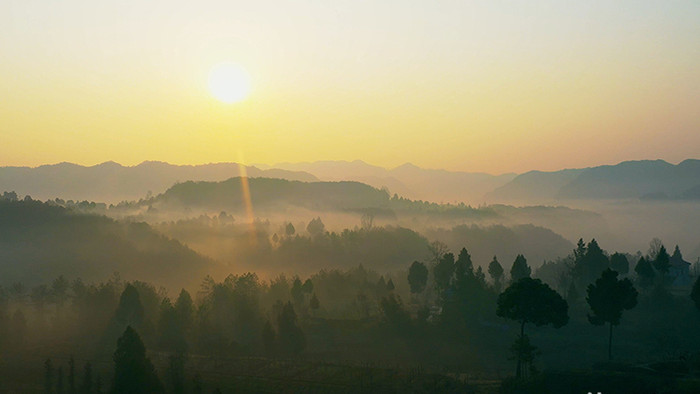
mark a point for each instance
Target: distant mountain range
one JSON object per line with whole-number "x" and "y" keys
{"x": 407, "y": 180}
{"x": 111, "y": 182}
{"x": 645, "y": 179}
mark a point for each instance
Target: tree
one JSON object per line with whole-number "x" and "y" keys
{"x": 86, "y": 387}
{"x": 662, "y": 262}
{"x": 496, "y": 272}
{"x": 269, "y": 338}
{"x": 176, "y": 372}
{"x": 48, "y": 376}
{"x": 654, "y": 246}
{"x": 520, "y": 269}
{"x": 645, "y": 272}
{"x": 531, "y": 301}
{"x": 464, "y": 261}
{"x": 308, "y": 286}
{"x": 291, "y": 337}
{"x": 59, "y": 381}
{"x": 133, "y": 371}
{"x": 313, "y": 302}
{"x": 390, "y": 285}
{"x": 289, "y": 230}
{"x": 130, "y": 310}
{"x": 437, "y": 249}
{"x": 593, "y": 262}
{"x": 619, "y": 263}
{"x": 316, "y": 227}
{"x": 184, "y": 309}
{"x": 297, "y": 291}
{"x": 695, "y": 293}
{"x": 394, "y": 313}
{"x": 417, "y": 277}
{"x": 71, "y": 375}
{"x": 443, "y": 271}
{"x": 608, "y": 297}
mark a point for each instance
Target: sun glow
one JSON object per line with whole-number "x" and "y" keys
{"x": 229, "y": 82}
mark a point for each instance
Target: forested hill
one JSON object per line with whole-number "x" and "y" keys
{"x": 111, "y": 182}
{"x": 265, "y": 192}
{"x": 39, "y": 242}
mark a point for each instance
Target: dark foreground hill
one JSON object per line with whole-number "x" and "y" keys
{"x": 39, "y": 242}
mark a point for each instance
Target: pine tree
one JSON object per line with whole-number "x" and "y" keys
{"x": 520, "y": 269}
{"x": 133, "y": 371}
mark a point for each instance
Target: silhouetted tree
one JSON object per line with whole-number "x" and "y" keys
{"x": 496, "y": 272}
{"x": 71, "y": 374}
{"x": 86, "y": 387}
{"x": 520, "y": 269}
{"x": 645, "y": 272}
{"x": 289, "y": 230}
{"x": 531, "y": 301}
{"x": 59, "y": 381}
{"x": 619, "y": 263}
{"x": 291, "y": 337}
{"x": 608, "y": 297}
{"x": 48, "y": 376}
{"x": 316, "y": 227}
{"x": 133, "y": 371}
{"x": 184, "y": 309}
{"x": 662, "y": 262}
{"x": 394, "y": 313}
{"x": 313, "y": 303}
{"x": 269, "y": 338}
{"x": 695, "y": 293}
{"x": 176, "y": 372}
{"x": 308, "y": 286}
{"x": 297, "y": 291}
{"x": 594, "y": 261}
{"x": 417, "y": 277}
{"x": 130, "y": 310}
{"x": 197, "y": 385}
{"x": 443, "y": 272}
{"x": 390, "y": 285}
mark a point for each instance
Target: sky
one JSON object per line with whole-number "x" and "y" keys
{"x": 492, "y": 86}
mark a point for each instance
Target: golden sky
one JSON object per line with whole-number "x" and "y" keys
{"x": 494, "y": 86}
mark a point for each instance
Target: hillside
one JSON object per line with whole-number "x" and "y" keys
{"x": 270, "y": 193}
{"x": 648, "y": 179}
{"x": 39, "y": 242}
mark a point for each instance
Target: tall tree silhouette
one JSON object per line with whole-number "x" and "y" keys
{"x": 619, "y": 263}
{"x": 645, "y": 272}
{"x": 291, "y": 337}
{"x": 662, "y": 262}
{"x": 496, "y": 272}
{"x": 520, "y": 269}
{"x": 443, "y": 271}
{"x": 86, "y": 387}
{"x": 695, "y": 293}
{"x": 531, "y": 301}
{"x": 417, "y": 277}
{"x": 48, "y": 376}
{"x": 130, "y": 310}
{"x": 133, "y": 371}
{"x": 608, "y": 297}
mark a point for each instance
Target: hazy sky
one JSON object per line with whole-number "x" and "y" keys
{"x": 492, "y": 86}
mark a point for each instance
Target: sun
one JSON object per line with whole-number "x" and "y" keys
{"x": 229, "y": 82}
